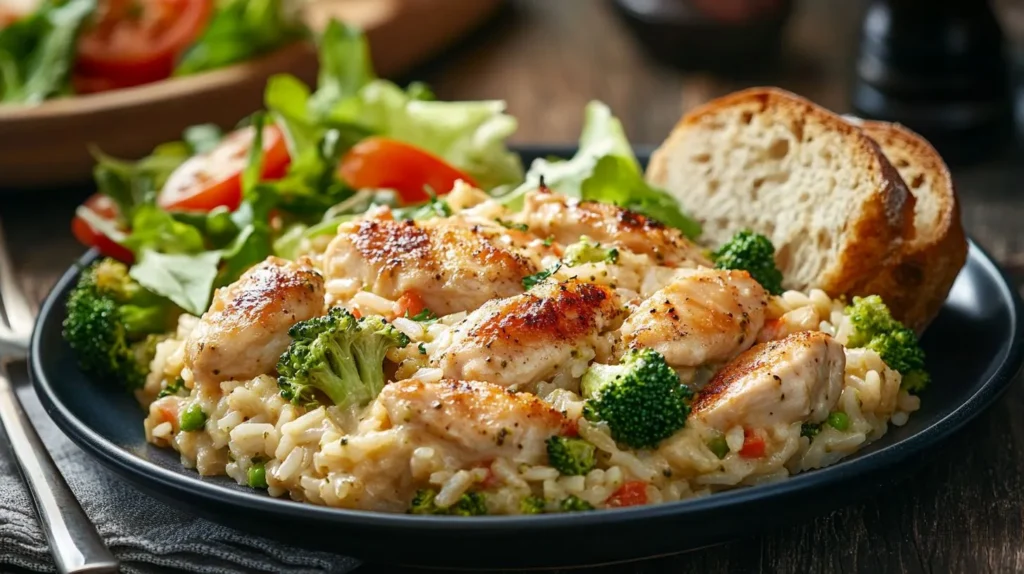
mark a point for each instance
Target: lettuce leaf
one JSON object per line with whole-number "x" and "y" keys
{"x": 184, "y": 256}
{"x": 241, "y": 30}
{"x": 351, "y": 100}
{"x": 345, "y": 67}
{"x": 615, "y": 179}
{"x": 134, "y": 183}
{"x": 37, "y": 52}
{"x": 202, "y": 138}
{"x": 469, "y": 135}
{"x": 604, "y": 169}
{"x": 185, "y": 279}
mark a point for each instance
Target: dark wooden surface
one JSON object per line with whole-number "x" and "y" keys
{"x": 964, "y": 512}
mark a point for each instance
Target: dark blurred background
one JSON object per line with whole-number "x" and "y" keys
{"x": 547, "y": 58}
{"x": 935, "y": 65}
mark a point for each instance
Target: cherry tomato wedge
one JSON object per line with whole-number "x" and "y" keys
{"x": 383, "y": 163}
{"x": 753, "y": 444}
{"x": 132, "y": 42}
{"x": 214, "y": 179}
{"x": 632, "y": 493}
{"x": 104, "y": 208}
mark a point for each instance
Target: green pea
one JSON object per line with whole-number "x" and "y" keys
{"x": 193, "y": 418}
{"x": 257, "y": 475}
{"x": 718, "y": 446}
{"x": 839, "y": 421}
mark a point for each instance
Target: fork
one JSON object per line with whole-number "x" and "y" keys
{"x": 74, "y": 542}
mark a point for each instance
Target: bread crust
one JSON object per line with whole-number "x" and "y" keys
{"x": 874, "y": 235}
{"x": 917, "y": 284}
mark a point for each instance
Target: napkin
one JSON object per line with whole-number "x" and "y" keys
{"x": 145, "y": 534}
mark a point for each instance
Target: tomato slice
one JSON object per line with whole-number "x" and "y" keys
{"x": 383, "y": 163}
{"x": 753, "y": 444}
{"x": 134, "y": 42}
{"x": 105, "y": 209}
{"x": 214, "y": 179}
{"x": 632, "y": 493}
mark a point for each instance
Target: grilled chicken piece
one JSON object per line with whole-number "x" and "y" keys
{"x": 704, "y": 316}
{"x": 453, "y": 267}
{"x": 550, "y": 214}
{"x": 795, "y": 379}
{"x": 245, "y": 330}
{"x": 519, "y": 341}
{"x": 485, "y": 421}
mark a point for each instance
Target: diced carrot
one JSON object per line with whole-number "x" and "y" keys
{"x": 168, "y": 409}
{"x": 492, "y": 479}
{"x": 753, "y": 444}
{"x": 771, "y": 329}
{"x": 632, "y": 493}
{"x": 409, "y": 304}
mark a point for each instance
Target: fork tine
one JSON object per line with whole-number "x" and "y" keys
{"x": 15, "y": 306}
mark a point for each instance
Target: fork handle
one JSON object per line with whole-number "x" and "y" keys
{"x": 74, "y": 542}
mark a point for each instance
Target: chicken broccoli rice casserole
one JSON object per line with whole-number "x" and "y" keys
{"x": 510, "y": 345}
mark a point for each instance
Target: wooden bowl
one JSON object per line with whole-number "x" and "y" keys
{"x": 48, "y": 145}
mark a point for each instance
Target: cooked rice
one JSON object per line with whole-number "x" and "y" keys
{"x": 359, "y": 460}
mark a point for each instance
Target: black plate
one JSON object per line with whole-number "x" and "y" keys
{"x": 974, "y": 350}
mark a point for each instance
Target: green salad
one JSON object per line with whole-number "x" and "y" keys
{"x": 196, "y": 213}
{"x": 66, "y": 47}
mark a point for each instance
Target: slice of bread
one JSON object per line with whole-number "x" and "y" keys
{"x": 834, "y": 207}
{"x": 930, "y": 262}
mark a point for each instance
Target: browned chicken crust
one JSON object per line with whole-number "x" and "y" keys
{"x": 708, "y": 315}
{"x": 486, "y": 420}
{"x": 245, "y": 330}
{"x": 453, "y": 267}
{"x": 561, "y": 312}
{"x": 791, "y": 379}
{"x": 519, "y": 341}
{"x": 550, "y": 214}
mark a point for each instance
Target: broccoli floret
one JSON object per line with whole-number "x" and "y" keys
{"x": 469, "y": 504}
{"x": 573, "y": 503}
{"x": 113, "y": 324}
{"x": 337, "y": 356}
{"x": 755, "y": 254}
{"x": 571, "y": 456}
{"x": 869, "y": 316}
{"x": 587, "y": 251}
{"x": 423, "y": 502}
{"x": 175, "y": 387}
{"x": 532, "y": 505}
{"x": 810, "y": 430}
{"x": 641, "y": 398}
{"x": 874, "y": 328}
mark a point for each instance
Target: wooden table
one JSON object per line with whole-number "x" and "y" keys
{"x": 963, "y": 513}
